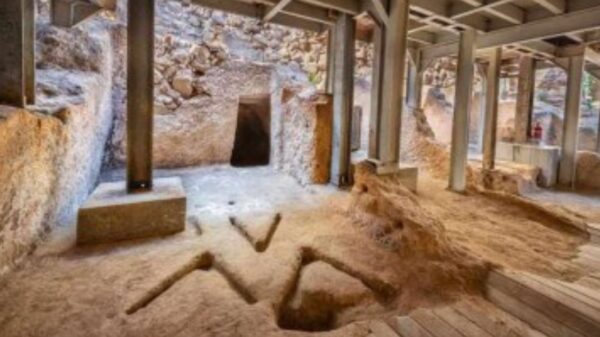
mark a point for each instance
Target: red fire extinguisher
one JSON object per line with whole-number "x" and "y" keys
{"x": 538, "y": 132}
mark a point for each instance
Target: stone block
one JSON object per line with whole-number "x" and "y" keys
{"x": 68, "y": 13}
{"x": 110, "y": 214}
{"x": 407, "y": 174}
{"x": 504, "y": 151}
{"x": 546, "y": 158}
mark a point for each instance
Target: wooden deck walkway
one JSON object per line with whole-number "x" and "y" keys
{"x": 518, "y": 305}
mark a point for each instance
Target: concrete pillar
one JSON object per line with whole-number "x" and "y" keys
{"x": 393, "y": 86}
{"x": 598, "y": 136}
{"x": 330, "y": 61}
{"x": 415, "y": 82}
{"x": 491, "y": 110}
{"x": 482, "y": 69}
{"x": 566, "y": 173}
{"x": 29, "y": 15}
{"x": 526, "y": 90}
{"x": 377, "y": 78}
{"x": 343, "y": 96}
{"x": 140, "y": 94}
{"x": 12, "y": 76}
{"x": 462, "y": 106}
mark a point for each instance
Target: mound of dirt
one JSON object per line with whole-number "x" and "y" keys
{"x": 430, "y": 263}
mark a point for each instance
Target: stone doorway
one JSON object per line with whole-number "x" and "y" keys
{"x": 252, "y": 145}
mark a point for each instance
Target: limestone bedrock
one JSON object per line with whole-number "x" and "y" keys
{"x": 111, "y": 214}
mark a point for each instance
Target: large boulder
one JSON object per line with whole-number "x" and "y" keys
{"x": 588, "y": 170}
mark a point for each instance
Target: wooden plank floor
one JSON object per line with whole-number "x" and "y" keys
{"x": 554, "y": 307}
{"x": 520, "y": 305}
{"x": 467, "y": 318}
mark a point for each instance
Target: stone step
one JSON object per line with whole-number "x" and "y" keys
{"x": 467, "y": 318}
{"x": 559, "y": 309}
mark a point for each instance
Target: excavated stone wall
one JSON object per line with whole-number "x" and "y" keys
{"x": 205, "y": 61}
{"x": 305, "y": 132}
{"x": 52, "y": 152}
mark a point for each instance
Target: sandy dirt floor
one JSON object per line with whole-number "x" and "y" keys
{"x": 504, "y": 233}
{"x": 264, "y": 256}
{"x": 585, "y": 204}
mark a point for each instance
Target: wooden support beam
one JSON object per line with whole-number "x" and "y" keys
{"x": 573, "y": 22}
{"x": 310, "y": 13}
{"x": 351, "y": 7}
{"x": 503, "y": 9}
{"x": 343, "y": 100}
{"x": 525, "y": 94}
{"x": 12, "y": 69}
{"x": 140, "y": 94}
{"x": 508, "y": 12}
{"x": 275, "y": 10}
{"x": 462, "y": 106}
{"x": 570, "y": 139}
{"x": 258, "y": 11}
{"x": 491, "y": 110}
{"x": 394, "y": 64}
{"x": 423, "y": 37}
{"x": 431, "y": 8}
{"x": 379, "y": 11}
{"x": 554, "y": 6}
{"x": 299, "y": 10}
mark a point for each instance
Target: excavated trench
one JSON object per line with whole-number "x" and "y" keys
{"x": 326, "y": 294}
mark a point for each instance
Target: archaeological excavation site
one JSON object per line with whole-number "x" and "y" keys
{"x": 332, "y": 168}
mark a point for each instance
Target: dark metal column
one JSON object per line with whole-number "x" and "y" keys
{"x": 329, "y": 80}
{"x": 525, "y": 96}
{"x": 343, "y": 91}
{"x": 12, "y": 86}
{"x": 570, "y": 136}
{"x": 376, "y": 90}
{"x": 491, "y": 110}
{"x": 393, "y": 85}
{"x": 29, "y": 14}
{"x": 462, "y": 106}
{"x": 140, "y": 94}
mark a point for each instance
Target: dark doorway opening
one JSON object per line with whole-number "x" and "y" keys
{"x": 252, "y": 146}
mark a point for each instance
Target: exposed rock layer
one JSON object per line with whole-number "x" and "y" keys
{"x": 53, "y": 152}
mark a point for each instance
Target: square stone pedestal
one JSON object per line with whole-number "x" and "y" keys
{"x": 407, "y": 174}
{"x": 110, "y": 214}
